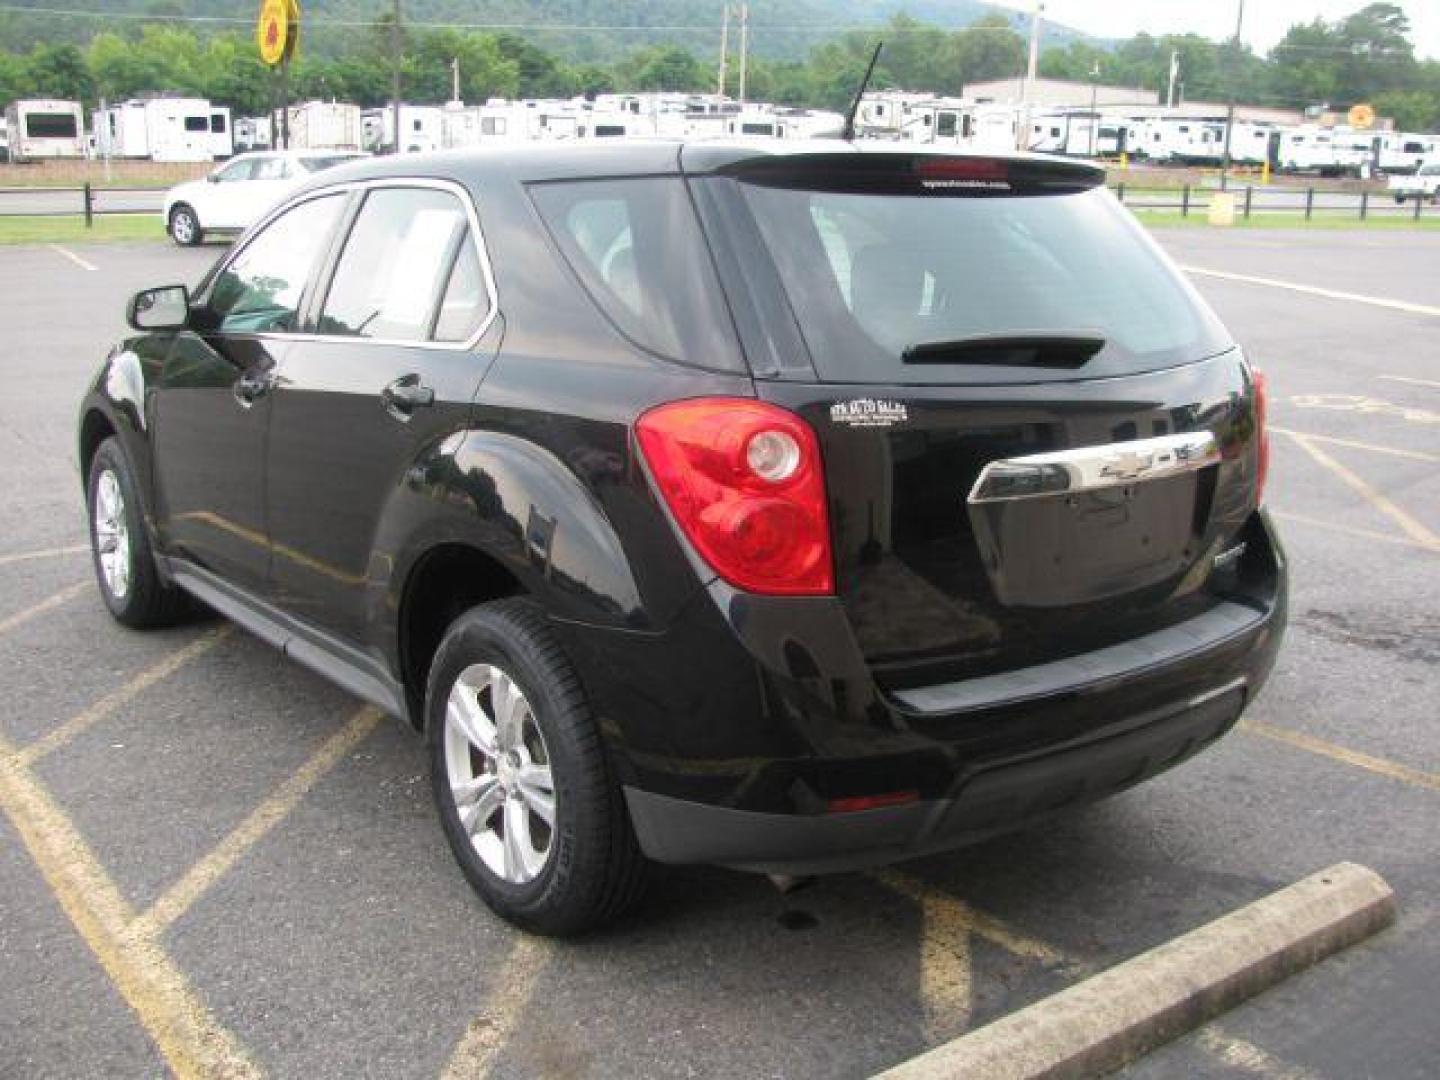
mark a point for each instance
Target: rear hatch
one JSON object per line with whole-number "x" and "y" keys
{"x": 1038, "y": 441}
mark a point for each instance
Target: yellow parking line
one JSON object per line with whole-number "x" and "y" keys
{"x": 48, "y": 553}
{"x": 1382, "y": 766}
{"x": 192, "y": 1041}
{"x": 1348, "y": 530}
{"x": 1247, "y": 1057}
{"x": 488, "y": 1033}
{"x": 946, "y": 971}
{"x": 1413, "y": 528}
{"x": 20, "y": 618}
{"x": 81, "y": 722}
{"x": 1413, "y": 455}
{"x": 178, "y": 899}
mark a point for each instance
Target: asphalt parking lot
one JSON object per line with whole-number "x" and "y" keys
{"x": 204, "y": 845}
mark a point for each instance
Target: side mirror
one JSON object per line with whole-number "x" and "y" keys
{"x": 165, "y": 308}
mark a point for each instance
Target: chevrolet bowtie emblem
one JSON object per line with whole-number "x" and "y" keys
{"x": 1128, "y": 466}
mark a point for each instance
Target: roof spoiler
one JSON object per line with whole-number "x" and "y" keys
{"x": 902, "y": 172}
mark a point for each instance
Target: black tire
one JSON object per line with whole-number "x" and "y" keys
{"x": 594, "y": 869}
{"x": 1400, "y": 199}
{"x": 145, "y": 601}
{"x": 184, "y": 226}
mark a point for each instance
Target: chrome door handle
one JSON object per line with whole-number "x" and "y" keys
{"x": 252, "y": 386}
{"x": 406, "y": 394}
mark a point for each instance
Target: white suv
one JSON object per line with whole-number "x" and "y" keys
{"x": 1424, "y": 183}
{"x": 237, "y": 193}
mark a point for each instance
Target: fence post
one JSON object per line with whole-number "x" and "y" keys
{"x": 1364, "y": 204}
{"x": 1419, "y": 202}
{"x": 1249, "y": 195}
{"x": 89, "y": 206}
{"x": 1185, "y": 202}
{"x": 1309, "y": 202}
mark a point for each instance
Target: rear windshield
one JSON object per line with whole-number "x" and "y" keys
{"x": 939, "y": 288}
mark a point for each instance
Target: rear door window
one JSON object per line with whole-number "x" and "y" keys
{"x": 397, "y": 262}
{"x": 881, "y": 283}
{"x": 637, "y": 250}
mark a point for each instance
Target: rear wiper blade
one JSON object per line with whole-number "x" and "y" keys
{"x": 1011, "y": 348}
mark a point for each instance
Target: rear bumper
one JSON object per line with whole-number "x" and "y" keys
{"x": 989, "y": 801}
{"x": 735, "y": 731}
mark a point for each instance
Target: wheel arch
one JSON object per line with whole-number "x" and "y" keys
{"x": 95, "y": 428}
{"x": 443, "y": 583}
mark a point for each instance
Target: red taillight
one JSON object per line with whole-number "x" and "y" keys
{"x": 1262, "y": 434}
{"x": 744, "y": 481}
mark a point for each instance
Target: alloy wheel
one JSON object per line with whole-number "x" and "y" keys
{"x": 498, "y": 769}
{"x": 112, "y": 534}
{"x": 182, "y": 227}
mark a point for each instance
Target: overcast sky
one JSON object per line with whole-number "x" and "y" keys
{"x": 1265, "y": 20}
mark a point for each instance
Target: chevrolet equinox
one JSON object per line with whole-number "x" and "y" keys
{"x": 789, "y": 507}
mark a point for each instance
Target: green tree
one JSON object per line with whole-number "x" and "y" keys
{"x": 59, "y": 71}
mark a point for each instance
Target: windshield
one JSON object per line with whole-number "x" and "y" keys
{"x": 873, "y": 276}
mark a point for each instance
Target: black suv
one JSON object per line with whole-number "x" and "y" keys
{"x": 794, "y": 508}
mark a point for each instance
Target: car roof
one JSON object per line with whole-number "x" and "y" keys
{"x": 575, "y": 160}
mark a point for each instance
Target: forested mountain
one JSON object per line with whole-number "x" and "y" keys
{"x": 782, "y": 29}
{"x": 804, "y": 52}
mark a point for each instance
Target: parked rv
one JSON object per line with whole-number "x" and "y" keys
{"x": 41, "y": 128}
{"x": 422, "y": 128}
{"x": 222, "y": 135}
{"x": 160, "y": 129}
{"x": 252, "y": 133}
{"x": 321, "y": 125}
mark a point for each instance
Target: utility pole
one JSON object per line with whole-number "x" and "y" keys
{"x": 396, "y": 49}
{"x": 1022, "y": 137}
{"x": 724, "y": 48}
{"x": 1230, "y": 111}
{"x": 1094, "y": 112}
{"x": 744, "y": 46}
{"x": 455, "y": 79}
{"x": 1174, "y": 72}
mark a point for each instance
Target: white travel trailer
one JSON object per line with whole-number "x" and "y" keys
{"x": 161, "y": 129}
{"x": 120, "y": 130}
{"x": 251, "y": 133}
{"x": 42, "y": 128}
{"x": 1074, "y": 133}
{"x": 222, "y": 133}
{"x": 478, "y": 125}
{"x": 422, "y": 128}
{"x": 1402, "y": 151}
{"x": 1328, "y": 151}
{"x": 322, "y": 125}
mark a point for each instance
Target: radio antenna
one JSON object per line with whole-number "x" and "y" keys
{"x": 848, "y": 131}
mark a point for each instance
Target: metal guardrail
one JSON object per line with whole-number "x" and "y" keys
{"x": 83, "y": 200}
{"x": 90, "y": 201}
{"x": 1250, "y": 201}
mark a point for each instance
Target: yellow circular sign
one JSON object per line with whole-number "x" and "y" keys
{"x": 277, "y": 30}
{"x": 1361, "y": 116}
